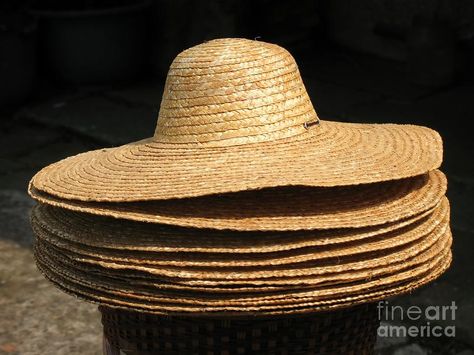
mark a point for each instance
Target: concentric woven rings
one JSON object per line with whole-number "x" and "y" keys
{"x": 315, "y": 246}
{"x": 357, "y": 206}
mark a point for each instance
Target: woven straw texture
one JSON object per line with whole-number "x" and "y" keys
{"x": 219, "y": 250}
{"x": 349, "y": 332}
{"x": 288, "y": 208}
{"x": 235, "y": 116}
{"x": 315, "y": 271}
{"x": 431, "y": 272}
{"x": 133, "y": 236}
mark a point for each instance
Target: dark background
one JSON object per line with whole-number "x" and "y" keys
{"x": 83, "y": 74}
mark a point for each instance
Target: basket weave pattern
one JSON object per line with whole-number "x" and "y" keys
{"x": 347, "y": 331}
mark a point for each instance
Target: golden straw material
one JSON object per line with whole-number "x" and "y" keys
{"x": 359, "y": 279}
{"x": 367, "y": 278}
{"x": 287, "y": 299}
{"x": 381, "y": 241}
{"x": 295, "y": 273}
{"x": 287, "y": 208}
{"x": 432, "y": 271}
{"x": 235, "y": 116}
{"x": 145, "y": 237}
{"x": 327, "y": 291}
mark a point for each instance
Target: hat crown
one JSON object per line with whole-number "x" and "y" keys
{"x": 231, "y": 92}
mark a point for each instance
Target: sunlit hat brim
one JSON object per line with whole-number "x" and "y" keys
{"x": 291, "y": 273}
{"x": 329, "y": 154}
{"x": 205, "y": 249}
{"x": 371, "y": 290}
{"x": 130, "y": 236}
{"x": 280, "y": 208}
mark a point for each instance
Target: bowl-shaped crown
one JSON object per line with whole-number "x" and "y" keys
{"x": 231, "y": 92}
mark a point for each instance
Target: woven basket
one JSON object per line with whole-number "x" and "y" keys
{"x": 348, "y": 331}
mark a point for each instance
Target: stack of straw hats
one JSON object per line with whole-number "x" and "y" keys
{"x": 244, "y": 202}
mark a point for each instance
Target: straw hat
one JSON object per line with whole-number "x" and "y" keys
{"x": 163, "y": 245}
{"x": 253, "y": 206}
{"x": 236, "y": 116}
{"x": 131, "y": 236}
{"x": 288, "y": 208}
{"x": 142, "y": 266}
{"x": 228, "y": 273}
{"x": 317, "y": 299}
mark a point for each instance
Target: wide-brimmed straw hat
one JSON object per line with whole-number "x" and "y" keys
{"x": 236, "y": 116}
{"x": 174, "y": 270}
{"x": 283, "y": 265}
{"x": 119, "y": 293}
{"x": 288, "y": 208}
{"x": 131, "y": 236}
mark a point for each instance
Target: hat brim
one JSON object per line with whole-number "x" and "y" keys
{"x": 149, "y": 287}
{"x": 280, "y": 208}
{"x": 329, "y": 154}
{"x": 132, "y": 236}
{"x": 313, "y": 248}
{"x": 293, "y": 273}
{"x": 399, "y": 283}
{"x": 325, "y": 288}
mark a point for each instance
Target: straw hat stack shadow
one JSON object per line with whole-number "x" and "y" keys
{"x": 244, "y": 202}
